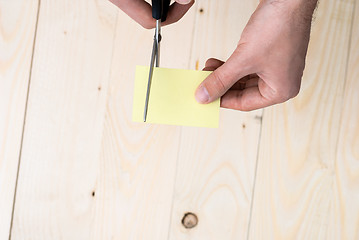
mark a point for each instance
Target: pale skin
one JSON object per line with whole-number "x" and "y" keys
{"x": 141, "y": 11}
{"x": 267, "y": 66}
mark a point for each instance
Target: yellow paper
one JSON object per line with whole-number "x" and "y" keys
{"x": 172, "y": 98}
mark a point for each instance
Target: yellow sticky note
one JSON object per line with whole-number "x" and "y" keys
{"x": 172, "y": 98}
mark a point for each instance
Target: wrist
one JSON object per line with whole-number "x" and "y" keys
{"x": 301, "y": 10}
{"x": 306, "y": 6}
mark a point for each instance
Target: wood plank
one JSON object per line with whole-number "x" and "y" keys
{"x": 17, "y": 30}
{"x": 64, "y": 122}
{"x": 134, "y": 189}
{"x": 216, "y": 167}
{"x": 344, "y": 221}
{"x": 294, "y": 195}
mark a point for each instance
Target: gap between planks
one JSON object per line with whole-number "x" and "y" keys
{"x": 24, "y": 121}
{"x": 346, "y": 71}
{"x": 255, "y": 177}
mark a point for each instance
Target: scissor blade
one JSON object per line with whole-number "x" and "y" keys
{"x": 150, "y": 79}
{"x": 158, "y": 39}
{"x": 154, "y": 56}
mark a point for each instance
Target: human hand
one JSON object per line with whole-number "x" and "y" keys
{"x": 141, "y": 11}
{"x": 267, "y": 66}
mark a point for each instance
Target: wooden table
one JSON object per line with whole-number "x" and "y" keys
{"x": 74, "y": 166}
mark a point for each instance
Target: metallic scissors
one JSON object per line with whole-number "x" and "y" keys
{"x": 159, "y": 12}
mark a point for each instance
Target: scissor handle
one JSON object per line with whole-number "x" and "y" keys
{"x": 160, "y": 9}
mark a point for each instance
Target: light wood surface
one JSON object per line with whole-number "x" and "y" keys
{"x": 138, "y": 161}
{"x": 344, "y": 221}
{"x": 88, "y": 172}
{"x": 64, "y": 122}
{"x": 295, "y": 185}
{"x": 17, "y": 30}
{"x": 215, "y": 169}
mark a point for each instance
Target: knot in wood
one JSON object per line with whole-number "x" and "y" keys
{"x": 189, "y": 220}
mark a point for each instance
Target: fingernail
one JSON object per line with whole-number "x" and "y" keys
{"x": 183, "y": 1}
{"x": 202, "y": 95}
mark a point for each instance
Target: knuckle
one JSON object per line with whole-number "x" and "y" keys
{"x": 146, "y": 25}
{"x": 209, "y": 60}
{"x": 213, "y": 62}
{"x": 295, "y": 91}
{"x": 282, "y": 96}
{"x": 218, "y": 83}
{"x": 147, "y": 22}
{"x": 240, "y": 105}
{"x": 286, "y": 93}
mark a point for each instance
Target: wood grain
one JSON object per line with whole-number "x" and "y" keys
{"x": 138, "y": 161}
{"x": 17, "y": 29}
{"x": 64, "y": 120}
{"x": 88, "y": 172}
{"x": 294, "y": 195}
{"x": 215, "y": 170}
{"x": 344, "y": 221}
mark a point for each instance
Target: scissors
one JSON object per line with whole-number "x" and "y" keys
{"x": 159, "y": 12}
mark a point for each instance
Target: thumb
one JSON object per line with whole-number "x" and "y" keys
{"x": 222, "y": 79}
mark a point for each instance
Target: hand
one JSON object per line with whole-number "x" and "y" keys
{"x": 267, "y": 66}
{"x": 141, "y": 11}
